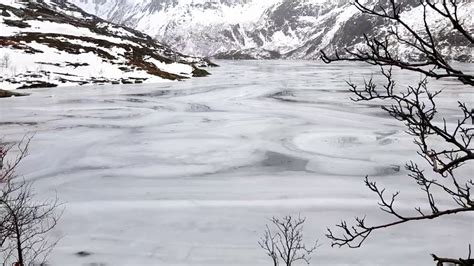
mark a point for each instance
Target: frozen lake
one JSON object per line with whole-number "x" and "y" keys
{"x": 188, "y": 173}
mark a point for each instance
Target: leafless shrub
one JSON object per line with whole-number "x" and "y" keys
{"x": 24, "y": 221}
{"x": 285, "y": 243}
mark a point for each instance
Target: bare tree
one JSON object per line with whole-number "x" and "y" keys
{"x": 416, "y": 108}
{"x": 24, "y": 221}
{"x": 285, "y": 244}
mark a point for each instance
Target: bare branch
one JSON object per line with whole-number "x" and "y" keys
{"x": 416, "y": 108}
{"x": 24, "y": 222}
{"x": 379, "y": 52}
{"x": 286, "y": 243}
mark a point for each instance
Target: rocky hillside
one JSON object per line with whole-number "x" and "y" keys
{"x": 51, "y": 43}
{"x": 246, "y": 29}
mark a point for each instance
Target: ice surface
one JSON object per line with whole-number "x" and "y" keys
{"x": 188, "y": 173}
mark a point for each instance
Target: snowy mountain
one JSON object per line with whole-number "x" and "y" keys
{"x": 246, "y": 29}
{"x": 46, "y": 44}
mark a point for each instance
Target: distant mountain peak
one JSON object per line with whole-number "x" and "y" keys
{"x": 288, "y": 28}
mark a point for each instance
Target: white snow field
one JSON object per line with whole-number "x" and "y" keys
{"x": 188, "y": 173}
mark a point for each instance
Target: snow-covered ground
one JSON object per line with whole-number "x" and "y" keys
{"x": 43, "y": 44}
{"x": 188, "y": 173}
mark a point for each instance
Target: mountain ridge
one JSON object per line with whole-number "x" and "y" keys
{"x": 289, "y": 29}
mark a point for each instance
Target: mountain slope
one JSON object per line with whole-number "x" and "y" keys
{"x": 46, "y": 43}
{"x": 262, "y": 28}
{"x": 352, "y": 25}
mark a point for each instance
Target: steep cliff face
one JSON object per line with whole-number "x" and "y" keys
{"x": 51, "y": 43}
{"x": 351, "y": 25}
{"x": 279, "y": 28}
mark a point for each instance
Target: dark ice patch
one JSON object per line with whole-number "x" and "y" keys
{"x": 83, "y": 253}
{"x": 284, "y": 93}
{"x": 387, "y": 170}
{"x": 135, "y": 100}
{"x": 157, "y": 93}
{"x": 196, "y": 107}
{"x": 284, "y": 161}
{"x": 285, "y": 96}
{"x": 8, "y": 123}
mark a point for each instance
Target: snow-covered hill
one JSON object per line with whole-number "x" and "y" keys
{"x": 262, "y": 28}
{"x": 46, "y": 43}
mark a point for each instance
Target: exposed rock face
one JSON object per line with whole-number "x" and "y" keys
{"x": 51, "y": 43}
{"x": 248, "y": 54}
{"x": 6, "y": 94}
{"x": 289, "y": 28}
